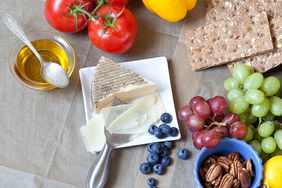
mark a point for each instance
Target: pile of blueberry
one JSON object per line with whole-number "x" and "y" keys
{"x": 158, "y": 158}
{"x": 164, "y": 130}
{"x": 158, "y": 153}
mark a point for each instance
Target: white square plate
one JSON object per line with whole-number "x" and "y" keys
{"x": 154, "y": 69}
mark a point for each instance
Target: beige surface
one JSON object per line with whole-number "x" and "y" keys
{"x": 40, "y": 144}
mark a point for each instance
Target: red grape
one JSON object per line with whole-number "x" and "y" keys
{"x": 218, "y": 105}
{"x": 194, "y": 124}
{"x": 201, "y": 110}
{"x": 184, "y": 112}
{"x": 210, "y": 139}
{"x": 219, "y": 117}
{"x": 221, "y": 130}
{"x": 238, "y": 130}
{"x": 195, "y": 100}
{"x": 197, "y": 140}
{"x": 230, "y": 118}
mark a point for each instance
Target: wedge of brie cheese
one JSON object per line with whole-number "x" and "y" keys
{"x": 112, "y": 79}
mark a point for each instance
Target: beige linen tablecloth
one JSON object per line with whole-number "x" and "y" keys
{"x": 40, "y": 144}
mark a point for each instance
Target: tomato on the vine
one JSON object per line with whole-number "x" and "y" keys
{"x": 64, "y": 15}
{"x": 114, "y": 31}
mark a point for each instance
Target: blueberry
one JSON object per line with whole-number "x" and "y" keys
{"x": 151, "y": 181}
{"x": 159, "y": 169}
{"x": 174, "y": 131}
{"x": 168, "y": 144}
{"x": 165, "y": 129}
{"x": 152, "y": 129}
{"x": 158, "y": 133}
{"x": 164, "y": 152}
{"x": 152, "y": 158}
{"x": 182, "y": 153}
{"x": 145, "y": 168}
{"x": 166, "y": 160}
{"x": 166, "y": 117}
{"x": 154, "y": 148}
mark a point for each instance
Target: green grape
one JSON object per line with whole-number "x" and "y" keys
{"x": 254, "y": 96}
{"x": 250, "y": 134}
{"x": 243, "y": 118}
{"x": 256, "y": 145}
{"x": 251, "y": 119}
{"x": 276, "y": 106}
{"x": 231, "y": 83}
{"x": 268, "y": 145}
{"x": 239, "y": 105}
{"x": 241, "y": 72}
{"x": 270, "y": 86}
{"x": 234, "y": 93}
{"x": 266, "y": 129}
{"x": 260, "y": 110}
{"x": 278, "y": 138}
{"x": 254, "y": 81}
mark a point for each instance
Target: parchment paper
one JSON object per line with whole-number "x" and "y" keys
{"x": 40, "y": 144}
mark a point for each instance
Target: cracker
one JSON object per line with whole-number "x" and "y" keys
{"x": 263, "y": 62}
{"x": 228, "y": 40}
{"x": 217, "y": 10}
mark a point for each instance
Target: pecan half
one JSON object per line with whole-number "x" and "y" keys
{"x": 236, "y": 168}
{"x": 227, "y": 181}
{"x": 245, "y": 178}
{"x": 217, "y": 181}
{"x": 210, "y": 161}
{"x": 235, "y": 156}
{"x": 224, "y": 162}
{"x": 249, "y": 166}
{"x": 213, "y": 172}
{"x": 236, "y": 183}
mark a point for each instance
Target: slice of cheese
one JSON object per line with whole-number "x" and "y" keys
{"x": 139, "y": 117}
{"x": 134, "y": 118}
{"x": 111, "y": 79}
{"x": 93, "y": 134}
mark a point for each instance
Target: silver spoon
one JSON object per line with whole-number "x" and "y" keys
{"x": 51, "y": 72}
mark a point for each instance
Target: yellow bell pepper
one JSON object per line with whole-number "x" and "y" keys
{"x": 170, "y": 10}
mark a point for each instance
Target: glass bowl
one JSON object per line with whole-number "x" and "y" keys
{"x": 18, "y": 56}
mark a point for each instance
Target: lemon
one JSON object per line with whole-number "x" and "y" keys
{"x": 273, "y": 172}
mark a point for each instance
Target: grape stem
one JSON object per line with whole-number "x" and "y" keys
{"x": 260, "y": 121}
{"x": 216, "y": 123}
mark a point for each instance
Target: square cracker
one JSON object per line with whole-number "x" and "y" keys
{"x": 224, "y": 9}
{"x": 261, "y": 63}
{"x": 217, "y": 10}
{"x": 228, "y": 40}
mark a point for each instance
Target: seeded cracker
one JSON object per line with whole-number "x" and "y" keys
{"x": 217, "y": 10}
{"x": 228, "y": 40}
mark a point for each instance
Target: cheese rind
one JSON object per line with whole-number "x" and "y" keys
{"x": 111, "y": 79}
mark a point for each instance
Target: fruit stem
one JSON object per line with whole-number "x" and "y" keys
{"x": 100, "y": 3}
{"x": 260, "y": 121}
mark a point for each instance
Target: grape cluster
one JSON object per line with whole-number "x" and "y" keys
{"x": 256, "y": 99}
{"x": 207, "y": 120}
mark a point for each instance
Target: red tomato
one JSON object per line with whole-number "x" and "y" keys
{"x": 118, "y": 2}
{"x": 115, "y": 37}
{"x": 56, "y": 13}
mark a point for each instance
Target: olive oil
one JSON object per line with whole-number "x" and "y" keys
{"x": 28, "y": 66}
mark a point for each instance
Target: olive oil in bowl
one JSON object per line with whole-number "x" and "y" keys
{"x": 53, "y": 49}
